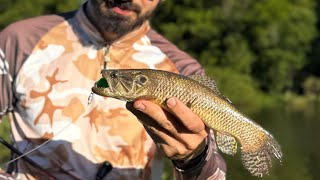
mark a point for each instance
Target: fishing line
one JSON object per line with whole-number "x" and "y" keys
{"x": 44, "y": 143}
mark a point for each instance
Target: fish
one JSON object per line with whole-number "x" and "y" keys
{"x": 200, "y": 93}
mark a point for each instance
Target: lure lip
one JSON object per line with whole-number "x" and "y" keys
{"x": 100, "y": 90}
{"x": 102, "y": 83}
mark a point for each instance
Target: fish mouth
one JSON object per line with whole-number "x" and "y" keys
{"x": 110, "y": 85}
{"x": 115, "y": 84}
{"x": 102, "y": 87}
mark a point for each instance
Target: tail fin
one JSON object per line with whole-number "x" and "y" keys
{"x": 259, "y": 162}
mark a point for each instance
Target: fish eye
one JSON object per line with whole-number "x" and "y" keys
{"x": 143, "y": 79}
{"x": 113, "y": 74}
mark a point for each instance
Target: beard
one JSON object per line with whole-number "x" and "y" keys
{"x": 106, "y": 20}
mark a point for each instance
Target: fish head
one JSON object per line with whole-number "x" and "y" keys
{"x": 123, "y": 84}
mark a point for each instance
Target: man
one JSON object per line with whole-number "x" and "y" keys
{"x": 48, "y": 66}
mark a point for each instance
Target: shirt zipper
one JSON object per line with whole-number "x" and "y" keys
{"x": 106, "y": 58}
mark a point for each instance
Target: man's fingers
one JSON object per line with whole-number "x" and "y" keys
{"x": 165, "y": 141}
{"x": 154, "y": 113}
{"x": 148, "y": 111}
{"x": 170, "y": 147}
{"x": 142, "y": 117}
{"x": 190, "y": 120}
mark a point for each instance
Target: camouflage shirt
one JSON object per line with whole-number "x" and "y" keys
{"x": 48, "y": 66}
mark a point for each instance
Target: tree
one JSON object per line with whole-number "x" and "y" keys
{"x": 265, "y": 40}
{"x": 13, "y": 10}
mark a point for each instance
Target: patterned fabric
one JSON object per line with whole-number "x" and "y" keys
{"x": 51, "y": 79}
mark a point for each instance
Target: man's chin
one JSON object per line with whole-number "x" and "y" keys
{"x": 118, "y": 27}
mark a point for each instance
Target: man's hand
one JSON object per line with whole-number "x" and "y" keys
{"x": 178, "y": 134}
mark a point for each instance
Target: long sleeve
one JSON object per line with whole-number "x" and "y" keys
{"x": 209, "y": 165}
{"x": 5, "y": 78}
{"x": 16, "y": 43}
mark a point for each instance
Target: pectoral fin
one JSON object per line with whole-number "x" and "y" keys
{"x": 226, "y": 143}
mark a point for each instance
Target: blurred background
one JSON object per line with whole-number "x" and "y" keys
{"x": 263, "y": 54}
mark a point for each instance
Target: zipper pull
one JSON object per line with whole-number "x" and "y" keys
{"x": 90, "y": 98}
{"x": 105, "y": 56}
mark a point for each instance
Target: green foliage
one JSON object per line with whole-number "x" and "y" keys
{"x": 238, "y": 87}
{"x": 13, "y": 10}
{"x": 267, "y": 40}
{"x": 168, "y": 170}
{"x": 282, "y": 34}
{"x": 311, "y": 87}
{"x": 5, "y": 134}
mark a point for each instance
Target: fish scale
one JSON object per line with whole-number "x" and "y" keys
{"x": 201, "y": 95}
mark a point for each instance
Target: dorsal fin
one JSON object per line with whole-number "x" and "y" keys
{"x": 207, "y": 81}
